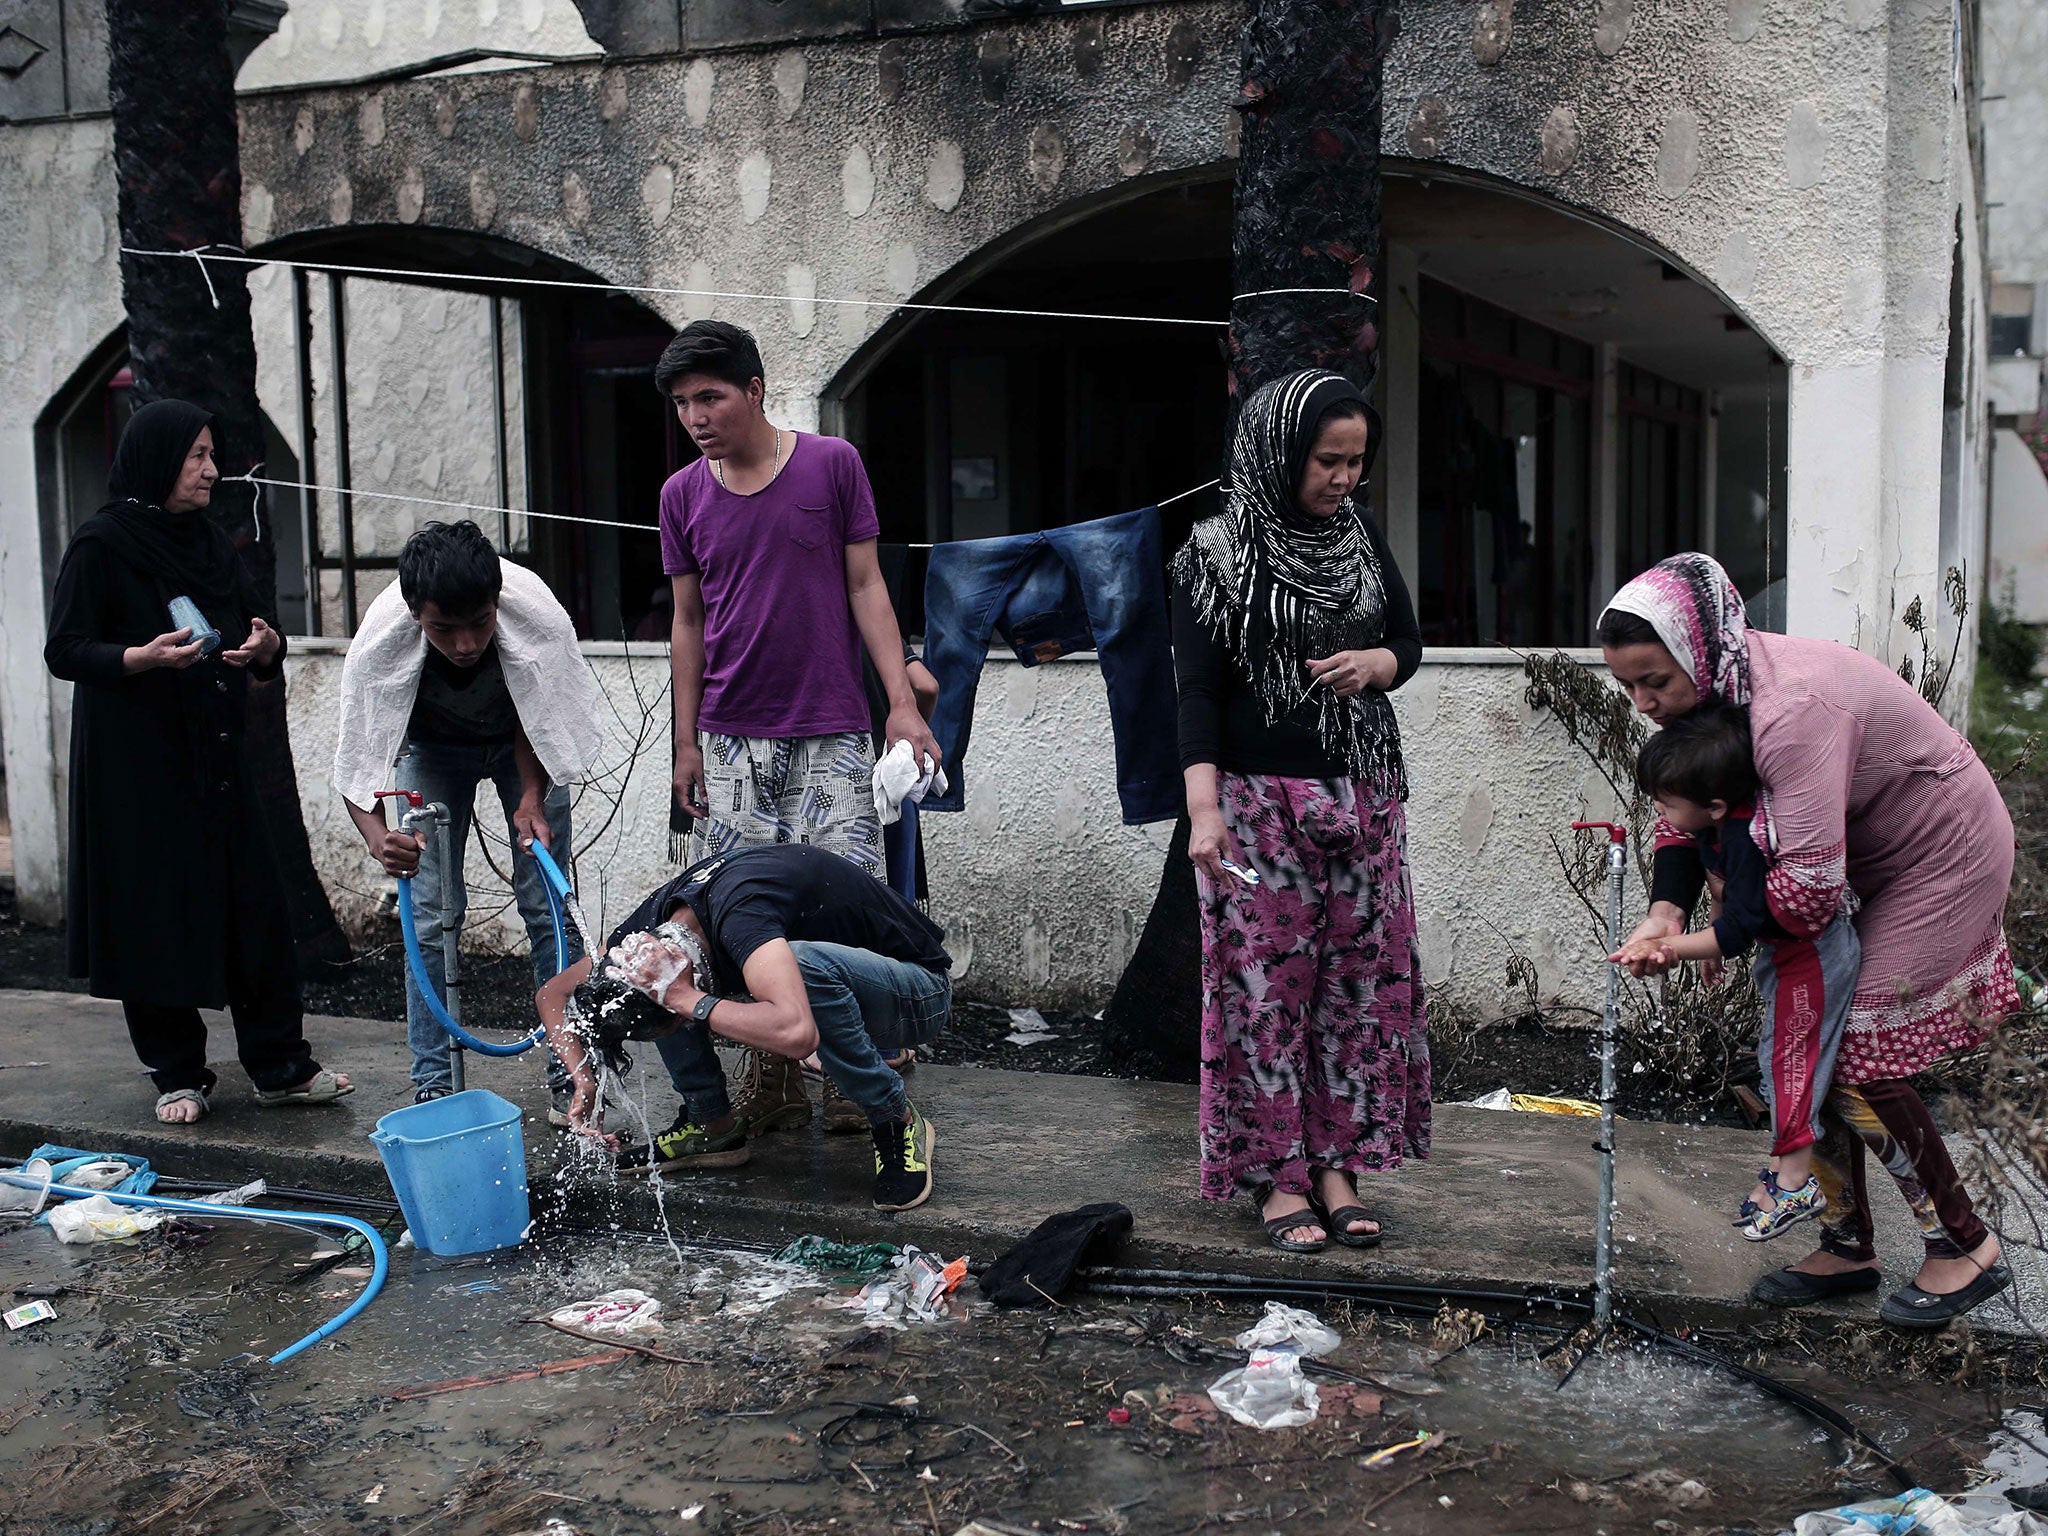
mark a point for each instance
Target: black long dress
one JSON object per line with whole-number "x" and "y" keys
{"x": 173, "y": 900}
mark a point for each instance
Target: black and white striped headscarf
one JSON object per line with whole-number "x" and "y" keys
{"x": 1277, "y": 585}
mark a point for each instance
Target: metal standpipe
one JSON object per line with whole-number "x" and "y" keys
{"x": 1603, "y": 1220}
{"x": 436, "y": 816}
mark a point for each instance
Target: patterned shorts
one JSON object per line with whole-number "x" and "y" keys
{"x": 804, "y": 789}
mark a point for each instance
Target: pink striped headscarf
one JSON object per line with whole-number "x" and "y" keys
{"x": 1697, "y": 613}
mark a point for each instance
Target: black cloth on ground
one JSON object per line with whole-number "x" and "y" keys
{"x": 1221, "y": 719}
{"x": 1039, "y": 1268}
{"x": 463, "y": 706}
{"x": 158, "y": 759}
{"x": 791, "y": 891}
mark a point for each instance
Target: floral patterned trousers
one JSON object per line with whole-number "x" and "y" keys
{"x": 1314, "y": 1052}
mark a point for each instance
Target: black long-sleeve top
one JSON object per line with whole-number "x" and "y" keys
{"x": 1730, "y": 851}
{"x": 159, "y": 784}
{"x": 1221, "y": 719}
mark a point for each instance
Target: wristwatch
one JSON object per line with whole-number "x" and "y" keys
{"x": 701, "y": 1013}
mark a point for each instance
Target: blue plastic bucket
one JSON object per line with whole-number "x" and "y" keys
{"x": 458, "y": 1167}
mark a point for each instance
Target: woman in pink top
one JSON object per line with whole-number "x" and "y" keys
{"x": 1869, "y": 797}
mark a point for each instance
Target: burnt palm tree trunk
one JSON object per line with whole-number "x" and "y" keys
{"x": 178, "y": 167}
{"x": 1305, "y": 266}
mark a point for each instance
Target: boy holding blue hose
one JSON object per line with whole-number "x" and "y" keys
{"x": 466, "y": 671}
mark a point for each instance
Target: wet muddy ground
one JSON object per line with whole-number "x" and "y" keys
{"x": 138, "y": 1408}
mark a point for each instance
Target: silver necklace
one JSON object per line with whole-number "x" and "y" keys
{"x": 774, "y": 465}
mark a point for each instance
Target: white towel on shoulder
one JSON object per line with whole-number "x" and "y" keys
{"x": 550, "y": 683}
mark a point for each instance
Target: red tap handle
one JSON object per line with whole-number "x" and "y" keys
{"x": 412, "y": 797}
{"x": 1615, "y": 834}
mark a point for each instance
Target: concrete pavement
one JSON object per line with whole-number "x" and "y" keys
{"x": 1505, "y": 1199}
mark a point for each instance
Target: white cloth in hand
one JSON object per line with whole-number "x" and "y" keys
{"x": 900, "y": 777}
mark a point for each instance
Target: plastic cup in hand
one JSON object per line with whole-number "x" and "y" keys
{"x": 185, "y": 614}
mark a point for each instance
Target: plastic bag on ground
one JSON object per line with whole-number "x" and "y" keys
{"x": 913, "y": 1290}
{"x": 623, "y": 1314}
{"x": 1294, "y": 1326}
{"x": 1919, "y": 1512}
{"x": 1268, "y": 1391}
{"x": 96, "y": 1219}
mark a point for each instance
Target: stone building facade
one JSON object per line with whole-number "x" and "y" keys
{"x": 1700, "y": 273}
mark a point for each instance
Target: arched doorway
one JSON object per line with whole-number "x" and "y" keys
{"x": 463, "y": 385}
{"x": 1564, "y": 404}
{"x": 75, "y": 436}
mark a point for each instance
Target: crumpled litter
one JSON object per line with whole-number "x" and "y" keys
{"x": 1268, "y": 1391}
{"x": 816, "y": 1252}
{"x": 1917, "y": 1511}
{"x": 1533, "y": 1103}
{"x": 254, "y": 1190}
{"x": 96, "y": 1219}
{"x": 622, "y": 1314}
{"x": 900, "y": 777}
{"x": 914, "y": 1290}
{"x": 1285, "y": 1325}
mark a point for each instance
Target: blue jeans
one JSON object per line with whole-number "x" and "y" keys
{"x": 866, "y": 1006}
{"x": 450, "y": 775}
{"x": 1099, "y": 585}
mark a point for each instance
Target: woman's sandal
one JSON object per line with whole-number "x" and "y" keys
{"x": 323, "y": 1087}
{"x": 1338, "y": 1224}
{"x": 1294, "y": 1220}
{"x": 181, "y": 1096}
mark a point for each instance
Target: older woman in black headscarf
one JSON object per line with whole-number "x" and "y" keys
{"x": 1290, "y": 627}
{"x": 174, "y": 902}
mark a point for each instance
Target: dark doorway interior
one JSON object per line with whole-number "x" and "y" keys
{"x": 977, "y": 426}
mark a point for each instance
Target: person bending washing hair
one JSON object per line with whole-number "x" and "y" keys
{"x": 786, "y": 949}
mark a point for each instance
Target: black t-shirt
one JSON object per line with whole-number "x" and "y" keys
{"x": 791, "y": 891}
{"x": 458, "y": 706}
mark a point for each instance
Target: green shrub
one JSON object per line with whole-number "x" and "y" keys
{"x": 2011, "y": 648}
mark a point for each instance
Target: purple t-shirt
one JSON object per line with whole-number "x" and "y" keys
{"x": 781, "y": 650}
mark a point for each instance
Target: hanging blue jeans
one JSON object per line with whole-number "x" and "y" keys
{"x": 1098, "y": 586}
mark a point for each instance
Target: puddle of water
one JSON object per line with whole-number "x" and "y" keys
{"x": 129, "y": 1407}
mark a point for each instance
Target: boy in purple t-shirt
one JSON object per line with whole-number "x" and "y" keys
{"x": 769, "y": 542}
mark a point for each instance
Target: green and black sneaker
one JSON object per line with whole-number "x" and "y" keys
{"x": 903, "y": 1162}
{"x": 684, "y": 1145}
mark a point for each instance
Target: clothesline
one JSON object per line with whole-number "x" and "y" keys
{"x": 201, "y": 255}
{"x": 557, "y": 517}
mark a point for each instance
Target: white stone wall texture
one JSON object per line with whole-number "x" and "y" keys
{"x": 2016, "y": 138}
{"x": 1040, "y": 887}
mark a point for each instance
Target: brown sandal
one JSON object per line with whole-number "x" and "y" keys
{"x": 1276, "y": 1225}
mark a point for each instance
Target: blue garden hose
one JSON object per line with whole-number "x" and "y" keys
{"x": 380, "y": 1256}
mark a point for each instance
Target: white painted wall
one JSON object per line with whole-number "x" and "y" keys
{"x": 2019, "y": 527}
{"x": 1041, "y": 888}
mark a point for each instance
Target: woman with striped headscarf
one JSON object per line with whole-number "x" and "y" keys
{"x": 1865, "y": 790}
{"x": 1290, "y": 626}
